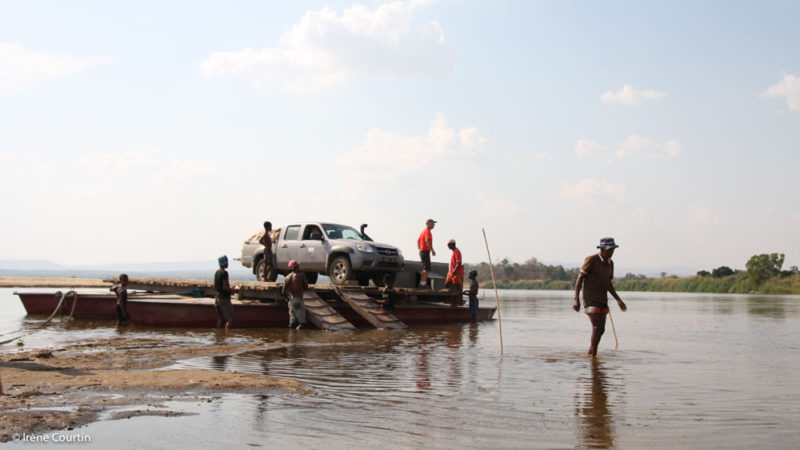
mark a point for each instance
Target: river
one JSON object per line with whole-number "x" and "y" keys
{"x": 691, "y": 370}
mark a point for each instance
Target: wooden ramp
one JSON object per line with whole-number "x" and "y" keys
{"x": 367, "y": 308}
{"x": 323, "y": 315}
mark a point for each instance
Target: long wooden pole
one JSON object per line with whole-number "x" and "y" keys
{"x": 614, "y": 329}
{"x": 494, "y": 283}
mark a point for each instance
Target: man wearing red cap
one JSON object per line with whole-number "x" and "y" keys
{"x": 293, "y": 289}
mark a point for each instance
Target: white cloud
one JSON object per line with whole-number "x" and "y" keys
{"x": 703, "y": 216}
{"x": 638, "y": 144}
{"x": 162, "y": 167}
{"x": 585, "y": 148}
{"x": 639, "y": 216}
{"x": 499, "y": 206}
{"x": 788, "y": 87}
{"x": 386, "y": 152}
{"x": 630, "y": 96}
{"x": 590, "y": 189}
{"x": 21, "y": 68}
{"x": 326, "y": 49}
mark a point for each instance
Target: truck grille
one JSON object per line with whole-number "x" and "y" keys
{"x": 388, "y": 265}
{"x": 387, "y": 251}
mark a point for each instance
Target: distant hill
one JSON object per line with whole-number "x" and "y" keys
{"x": 201, "y": 270}
{"x": 34, "y": 264}
{"x": 650, "y": 272}
{"x": 197, "y": 270}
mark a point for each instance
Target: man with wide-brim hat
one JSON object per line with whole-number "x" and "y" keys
{"x": 595, "y": 279}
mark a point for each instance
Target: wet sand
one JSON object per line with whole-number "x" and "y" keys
{"x": 68, "y": 387}
{"x": 20, "y": 282}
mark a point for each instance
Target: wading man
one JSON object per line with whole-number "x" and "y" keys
{"x": 472, "y": 293}
{"x": 595, "y": 279}
{"x": 224, "y": 291}
{"x": 121, "y": 290}
{"x": 425, "y": 246}
{"x": 266, "y": 241}
{"x": 293, "y": 289}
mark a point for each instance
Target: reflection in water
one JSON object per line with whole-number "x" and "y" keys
{"x": 766, "y": 307}
{"x": 592, "y": 407}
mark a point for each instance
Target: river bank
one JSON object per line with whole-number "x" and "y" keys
{"x": 733, "y": 284}
{"x": 66, "y": 387}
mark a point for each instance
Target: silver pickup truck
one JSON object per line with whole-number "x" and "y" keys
{"x": 338, "y": 251}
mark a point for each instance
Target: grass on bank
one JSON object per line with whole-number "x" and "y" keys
{"x": 734, "y": 284}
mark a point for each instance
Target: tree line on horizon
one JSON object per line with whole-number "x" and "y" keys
{"x": 764, "y": 274}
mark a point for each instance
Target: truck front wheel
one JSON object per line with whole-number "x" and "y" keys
{"x": 340, "y": 270}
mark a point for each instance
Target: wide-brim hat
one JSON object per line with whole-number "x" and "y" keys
{"x": 607, "y": 244}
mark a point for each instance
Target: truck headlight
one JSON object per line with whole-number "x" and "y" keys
{"x": 365, "y": 248}
{"x": 399, "y": 252}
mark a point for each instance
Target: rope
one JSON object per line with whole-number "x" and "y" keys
{"x": 42, "y": 325}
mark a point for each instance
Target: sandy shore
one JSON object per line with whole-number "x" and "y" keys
{"x": 68, "y": 387}
{"x": 10, "y": 282}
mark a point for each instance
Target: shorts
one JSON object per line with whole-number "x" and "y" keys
{"x": 425, "y": 257}
{"x": 269, "y": 257}
{"x": 224, "y": 308}
{"x": 454, "y": 280}
{"x": 594, "y": 308}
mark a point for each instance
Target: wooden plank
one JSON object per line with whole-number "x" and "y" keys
{"x": 370, "y": 310}
{"x": 323, "y": 315}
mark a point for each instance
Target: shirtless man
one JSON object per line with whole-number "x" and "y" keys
{"x": 595, "y": 279}
{"x": 472, "y": 294}
{"x": 121, "y": 290}
{"x": 266, "y": 241}
{"x": 293, "y": 289}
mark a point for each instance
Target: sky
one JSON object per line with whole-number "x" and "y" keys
{"x": 169, "y": 131}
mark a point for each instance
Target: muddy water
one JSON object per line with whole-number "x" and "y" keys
{"x": 691, "y": 371}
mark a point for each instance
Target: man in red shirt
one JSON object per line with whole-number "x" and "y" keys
{"x": 425, "y": 246}
{"x": 455, "y": 275}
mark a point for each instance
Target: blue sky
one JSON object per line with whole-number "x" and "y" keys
{"x": 155, "y": 131}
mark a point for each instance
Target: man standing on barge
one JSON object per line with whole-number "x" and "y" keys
{"x": 425, "y": 246}
{"x": 595, "y": 279}
{"x": 266, "y": 241}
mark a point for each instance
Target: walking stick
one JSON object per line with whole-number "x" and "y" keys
{"x": 614, "y": 329}
{"x": 496, "y": 296}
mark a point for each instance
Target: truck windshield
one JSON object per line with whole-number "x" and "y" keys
{"x": 334, "y": 231}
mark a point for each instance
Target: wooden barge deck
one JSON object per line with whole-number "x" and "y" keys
{"x": 187, "y": 303}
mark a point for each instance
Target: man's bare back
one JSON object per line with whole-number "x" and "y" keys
{"x": 295, "y": 285}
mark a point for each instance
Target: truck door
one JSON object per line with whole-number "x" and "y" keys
{"x": 287, "y": 246}
{"x": 311, "y": 251}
